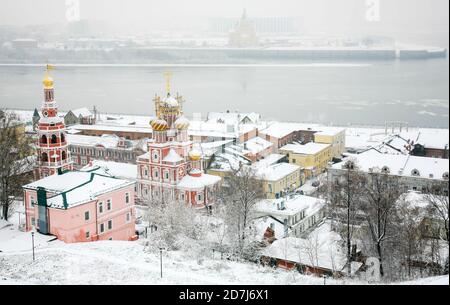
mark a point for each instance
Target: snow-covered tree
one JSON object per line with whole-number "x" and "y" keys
{"x": 239, "y": 196}
{"x": 345, "y": 196}
{"x": 14, "y": 152}
{"x": 382, "y": 192}
{"x": 172, "y": 221}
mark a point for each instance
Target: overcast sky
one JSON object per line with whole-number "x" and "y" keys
{"x": 399, "y": 18}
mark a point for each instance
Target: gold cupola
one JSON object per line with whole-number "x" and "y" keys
{"x": 48, "y": 80}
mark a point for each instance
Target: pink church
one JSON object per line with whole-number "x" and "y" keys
{"x": 172, "y": 168}
{"x": 74, "y": 206}
{"x": 81, "y": 206}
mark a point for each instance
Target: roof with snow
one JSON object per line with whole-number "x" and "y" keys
{"x": 256, "y": 145}
{"x": 136, "y": 129}
{"x": 322, "y": 249}
{"x": 76, "y": 187}
{"x": 310, "y": 148}
{"x": 291, "y": 206}
{"x": 232, "y": 117}
{"x": 401, "y": 165}
{"x": 280, "y": 130}
{"x": 329, "y": 131}
{"x": 114, "y": 169}
{"x": 82, "y": 112}
{"x": 172, "y": 157}
{"x": 193, "y": 182}
{"x": 276, "y": 172}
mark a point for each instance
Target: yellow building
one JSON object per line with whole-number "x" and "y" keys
{"x": 312, "y": 157}
{"x": 279, "y": 178}
{"x": 335, "y": 136}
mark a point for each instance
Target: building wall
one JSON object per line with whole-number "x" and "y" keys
{"x": 82, "y": 155}
{"x": 406, "y": 182}
{"x": 273, "y": 189}
{"x": 71, "y": 226}
{"x": 318, "y": 161}
{"x": 337, "y": 142}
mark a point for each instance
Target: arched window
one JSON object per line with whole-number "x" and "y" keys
{"x": 44, "y": 157}
{"x": 54, "y": 139}
{"x": 63, "y": 155}
{"x": 63, "y": 138}
{"x": 44, "y": 139}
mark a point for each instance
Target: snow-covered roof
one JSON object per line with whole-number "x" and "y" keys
{"x": 329, "y": 131}
{"x": 83, "y": 112}
{"x": 263, "y": 223}
{"x": 77, "y": 187}
{"x": 200, "y": 128}
{"x": 114, "y": 169}
{"x": 322, "y": 249}
{"x": 198, "y": 182}
{"x": 276, "y": 172}
{"x": 51, "y": 120}
{"x": 107, "y": 141}
{"x": 232, "y": 117}
{"x": 292, "y": 206}
{"x": 268, "y": 160}
{"x": 256, "y": 145}
{"x": 401, "y": 165}
{"x": 310, "y": 148}
{"x": 281, "y": 129}
{"x": 172, "y": 157}
{"x": 118, "y": 128}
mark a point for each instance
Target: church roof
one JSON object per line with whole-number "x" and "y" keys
{"x": 173, "y": 157}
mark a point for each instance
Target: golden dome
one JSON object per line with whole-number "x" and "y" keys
{"x": 159, "y": 125}
{"x": 182, "y": 123}
{"x": 47, "y": 81}
{"x": 195, "y": 155}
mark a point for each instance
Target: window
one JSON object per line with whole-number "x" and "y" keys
{"x": 182, "y": 196}
{"x": 102, "y": 228}
{"x": 108, "y": 205}
{"x": 199, "y": 197}
{"x": 110, "y": 225}
{"x": 166, "y": 175}
{"x": 100, "y": 207}
{"x": 33, "y": 221}
{"x": 127, "y": 197}
{"x": 128, "y": 218}
{"x": 86, "y": 215}
{"x": 32, "y": 202}
{"x": 88, "y": 234}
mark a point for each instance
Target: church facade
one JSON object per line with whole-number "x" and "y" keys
{"x": 172, "y": 168}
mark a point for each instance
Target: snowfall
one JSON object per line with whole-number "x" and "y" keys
{"x": 121, "y": 262}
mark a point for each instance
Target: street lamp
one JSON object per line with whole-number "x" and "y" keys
{"x": 32, "y": 242}
{"x": 160, "y": 259}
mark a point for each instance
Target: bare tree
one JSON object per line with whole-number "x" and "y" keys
{"x": 382, "y": 192}
{"x": 345, "y": 195}
{"x": 239, "y": 196}
{"x": 409, "y": 237}
{"x": 14, "y": 161}
{"x": 437, "y": 199}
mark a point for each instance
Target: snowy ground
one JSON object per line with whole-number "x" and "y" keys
{"x": 116, "y": 262}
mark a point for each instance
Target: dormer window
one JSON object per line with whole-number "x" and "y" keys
{"x": 415, "y": 173}
{"x": 445, "y": 176}
{"x": 385, "y": 170}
